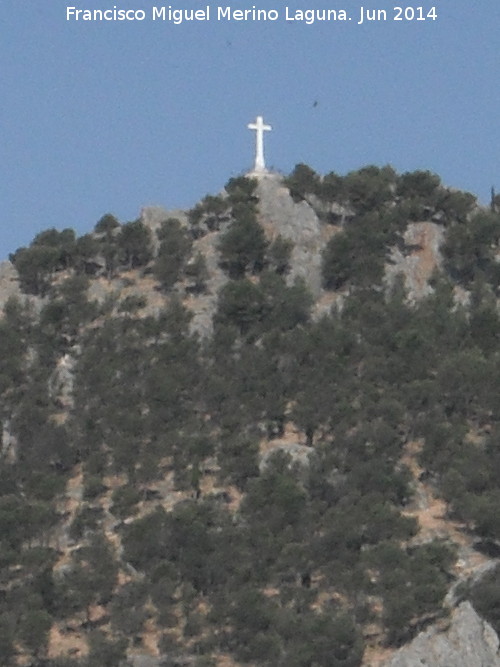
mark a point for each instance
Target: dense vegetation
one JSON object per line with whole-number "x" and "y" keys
{"x": 282, "y": 562}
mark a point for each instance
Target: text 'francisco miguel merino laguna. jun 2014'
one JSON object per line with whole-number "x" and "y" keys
{"x": 177, "y": 16}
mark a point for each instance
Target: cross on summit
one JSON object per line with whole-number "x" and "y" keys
{"x": 259, "y": 128}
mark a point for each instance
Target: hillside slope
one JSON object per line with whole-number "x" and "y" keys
{"x": 260, "y": 432}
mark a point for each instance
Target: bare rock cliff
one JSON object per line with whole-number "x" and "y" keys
{"x": 419, "y": 258}
{"x": 297, "y": 222}
{"x": 9, "y": 285}
{"x": 469, "y": 641}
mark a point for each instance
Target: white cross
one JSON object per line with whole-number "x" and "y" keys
{"x": 259, "y": 128}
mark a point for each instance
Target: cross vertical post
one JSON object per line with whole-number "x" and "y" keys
{"x": 259, "y": 128}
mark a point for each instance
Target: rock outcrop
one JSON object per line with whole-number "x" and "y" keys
{"x": 203, "y": 306}
{"x": 9, "y": 283}
{"x": 469, "y": 641}
{"x": 62, "y": 381}
{"x": 298, "y": 453}
{"x": 298, "y": 222}
{"x": 153, "y": 216}
{"x": 278, "y": 215}
{"x": 419, "y": 258}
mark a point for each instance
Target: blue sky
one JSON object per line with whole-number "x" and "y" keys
{"x": 113, "y": 116}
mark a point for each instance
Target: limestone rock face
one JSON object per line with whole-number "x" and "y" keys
{"x": 9, "y": 285}
{"x": 468, "y": 642}
{"x": 153, "y": 216}
{"x": 8, "y": 442}
{"x": 419, "y": 260}
{"x": 279, "y": 214}
{"x": 62, "y": 381}
{"x": 204, "y": 306}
